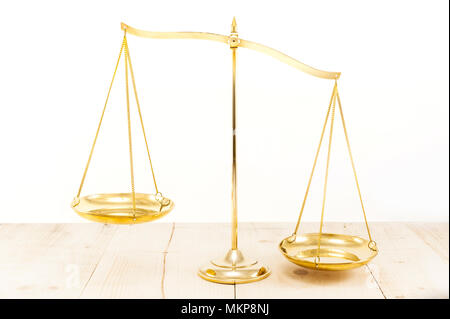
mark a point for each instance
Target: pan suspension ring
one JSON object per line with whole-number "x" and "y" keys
{"x": 122, "y": 208}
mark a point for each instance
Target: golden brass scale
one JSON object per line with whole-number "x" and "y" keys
{"x": 321, "y": 251}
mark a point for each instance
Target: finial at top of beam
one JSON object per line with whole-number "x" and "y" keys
{"x": 233, "y": 26}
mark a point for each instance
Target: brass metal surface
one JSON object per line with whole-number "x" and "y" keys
{"x": 337, "y": 252}
{"x": 234, "y": 268}
{"x": 118, "y": 208}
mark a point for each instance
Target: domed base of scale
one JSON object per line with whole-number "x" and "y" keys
{"x": 234, "y": 268}
{"x": 337, "y": 252}
{"x": 118, "y": 208}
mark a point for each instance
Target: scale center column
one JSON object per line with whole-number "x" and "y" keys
{"x": 234, "y": 268}
{"x": 233, "y": 46}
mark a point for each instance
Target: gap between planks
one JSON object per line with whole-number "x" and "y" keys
{"x": 99, "y": 259}
{"x": 165, "y": 252}
{"x": 375, "y": 280}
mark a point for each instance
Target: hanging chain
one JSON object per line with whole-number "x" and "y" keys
{"x": 372, "y": 244}
{"x": 315, "y": 159}
{"x": 140, "y": 117}
{"x": 333, "y": 111}
{"x": 76, "y": 200}
{"x": 123, "y": 49}
{"x": 332, "y": 107}
{"x": 129, "y": 125}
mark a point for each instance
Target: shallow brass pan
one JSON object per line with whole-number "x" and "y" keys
{"x": 337, "y": 251}
{"x": 117, "y": 208}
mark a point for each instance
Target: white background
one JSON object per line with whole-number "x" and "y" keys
{"x": 57, "y": 58}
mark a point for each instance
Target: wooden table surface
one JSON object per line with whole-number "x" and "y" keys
{"x": 158, "y": 260}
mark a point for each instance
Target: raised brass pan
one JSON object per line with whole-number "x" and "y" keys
{"x": 117, "y": 208}
{"x": 337, "y": 252}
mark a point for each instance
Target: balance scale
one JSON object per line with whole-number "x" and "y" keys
{"x": 319, "y": 251}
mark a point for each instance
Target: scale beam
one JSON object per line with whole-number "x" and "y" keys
{"x": 242, "y": 43}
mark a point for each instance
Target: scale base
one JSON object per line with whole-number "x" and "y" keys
{"x": 234, "y": 268}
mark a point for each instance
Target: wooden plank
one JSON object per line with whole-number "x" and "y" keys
{"x": 435, "y": 236}
{"x": 49, "y": 260}
{"x": 413, "y": 260}
{"x": 161, "y": 260}
{"x": 133, "y": 263}
{"x": 289, "y": 281}
{"x": 193, "y": 245}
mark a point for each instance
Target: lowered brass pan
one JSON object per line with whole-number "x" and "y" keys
{"x": 337, "y": 252}
{"x": 117, "y": 208}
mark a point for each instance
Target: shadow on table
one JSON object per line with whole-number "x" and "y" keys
{"x": 315, "y": 277}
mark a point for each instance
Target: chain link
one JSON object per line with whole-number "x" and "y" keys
{"x": 140, "y": 117}
{"x": 353, "y": 165}
{"x": 101, "y": 120}
{"x": 333, "y": 111}
{"x": 315, "y": 159}
{"x": 133, "y": 192}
